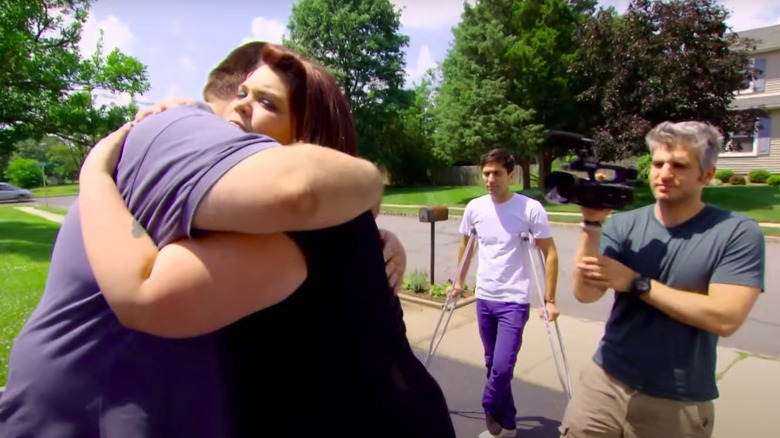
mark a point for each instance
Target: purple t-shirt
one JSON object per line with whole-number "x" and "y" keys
{"x": 74, "y": 370}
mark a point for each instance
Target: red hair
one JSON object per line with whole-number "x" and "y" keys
{"x": 320, "y": 111}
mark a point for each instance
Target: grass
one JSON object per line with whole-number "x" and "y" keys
{"x": 66, "y": 190}
{"x": 25, "y": 245}
{"x": 761, "y": 203}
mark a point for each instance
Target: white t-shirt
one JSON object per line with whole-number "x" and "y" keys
{"x": 504, "y": 270}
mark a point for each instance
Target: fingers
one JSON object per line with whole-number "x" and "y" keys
{"x": 596, "y": 282}
{"x": 392, "y": 280}
{"x": 162, "y": 106}
{"x": 597, "y": 261}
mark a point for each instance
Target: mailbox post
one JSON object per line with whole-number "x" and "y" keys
{"x": 432, "y": 215}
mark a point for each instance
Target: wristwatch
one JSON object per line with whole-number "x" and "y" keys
{"x": 640, "y": 285}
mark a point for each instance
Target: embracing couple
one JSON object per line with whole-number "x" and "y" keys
{"x": 209, "y": 283}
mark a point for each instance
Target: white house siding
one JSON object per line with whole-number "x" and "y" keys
{"x": 771, "y": 162}
{"x": 772, "y": 72}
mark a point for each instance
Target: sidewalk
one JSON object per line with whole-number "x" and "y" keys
{"x": 748, "y": 384}
{"x": 550, "y": 213}
{"x": 41, "y": 213}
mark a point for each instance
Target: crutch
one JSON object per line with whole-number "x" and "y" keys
{"x": 448, "y": 306}
{"x": 537, "y": 266}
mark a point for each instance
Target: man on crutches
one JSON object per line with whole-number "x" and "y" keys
{"x": 504, "y": 280}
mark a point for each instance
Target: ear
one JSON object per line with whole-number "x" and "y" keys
{"x": 707, "y": 176}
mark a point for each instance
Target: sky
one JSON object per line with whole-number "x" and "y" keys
{"x": 180, "y": 42}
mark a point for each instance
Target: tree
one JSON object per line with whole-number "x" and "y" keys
{"x": 44, "y": 82}
{"x": 474, "y": 108}
{"x": 662, "y": 60}
{"x": 544, "y": 45}
{"x": 410, "y": 159}
{"x": 360, "y": 43}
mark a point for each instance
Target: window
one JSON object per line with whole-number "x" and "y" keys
{"x": 748, "y": 86}
{"x": 742, "y": 144}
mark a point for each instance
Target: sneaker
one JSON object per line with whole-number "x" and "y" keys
{"x": 504, "y": 433}
{"x": 492, "y": 424}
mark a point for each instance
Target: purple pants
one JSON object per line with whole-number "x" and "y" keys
{"x": 501, "y": 327}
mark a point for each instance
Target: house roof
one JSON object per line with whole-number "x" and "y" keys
{"x": 766, "y": 38}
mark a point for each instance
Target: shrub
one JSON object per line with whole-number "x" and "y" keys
{"x": 737, "y": 180}
{"x": 773, "y": 180}
{"x": 724, "y": 174}
{"x": 643, "y": 168}
{"x": 758, "y": 176}
{"x": 417, "y": 281}
{"x": 24, "y": 173}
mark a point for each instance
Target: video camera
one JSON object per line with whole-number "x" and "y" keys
{"x": 565, "y": 188}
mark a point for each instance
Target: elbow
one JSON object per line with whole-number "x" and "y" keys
{"x": 150, "y": 316}
{"x": 376, "y": 184}
{"x": 303, "y": 201}
{"x": 726, "y": 329}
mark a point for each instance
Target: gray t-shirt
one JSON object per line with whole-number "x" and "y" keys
{"x": 642, "y": 346}
{"x": 74, "y": 370}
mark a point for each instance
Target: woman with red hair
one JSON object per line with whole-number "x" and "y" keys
{"x": 328, "y": 355}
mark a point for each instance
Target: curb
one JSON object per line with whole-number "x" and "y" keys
{"x": 435, "y": 304}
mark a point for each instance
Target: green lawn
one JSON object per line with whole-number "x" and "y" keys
{"x": 25, "y": 245}
{"x": 759, "y": 202}
{"x": 66, "y": 190}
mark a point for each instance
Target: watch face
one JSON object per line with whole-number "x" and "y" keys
{"x": 642, "y": 285}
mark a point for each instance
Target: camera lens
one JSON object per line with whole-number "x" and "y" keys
{"x": 560, "y": 187}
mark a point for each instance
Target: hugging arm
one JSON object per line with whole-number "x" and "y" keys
{"x": 293, "y": 188}
{"x": 190, "y": 287}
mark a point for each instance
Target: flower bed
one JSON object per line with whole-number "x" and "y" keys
{"x": 416, "y": 288}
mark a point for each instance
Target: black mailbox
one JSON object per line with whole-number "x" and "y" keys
{"x": 432, "y": 214}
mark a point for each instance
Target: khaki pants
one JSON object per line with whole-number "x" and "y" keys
{"x": 604, "y": 407}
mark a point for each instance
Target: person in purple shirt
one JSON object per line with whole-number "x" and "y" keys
{"x": 88, "y": 363}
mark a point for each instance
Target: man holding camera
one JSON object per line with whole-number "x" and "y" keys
{"x": 684, "y": 273}
{"x": 503, "y": 280}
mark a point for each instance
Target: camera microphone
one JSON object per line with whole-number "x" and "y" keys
{"x": 566, "y": 139}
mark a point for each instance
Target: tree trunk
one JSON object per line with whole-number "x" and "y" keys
{"x": 525, "y": 172}
{"x": 545, "y": 166}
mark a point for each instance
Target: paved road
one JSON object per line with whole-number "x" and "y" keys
{"x": 538, "y": 409}
{"x": 759, "y": 334}
{"x": 56, "y": 201}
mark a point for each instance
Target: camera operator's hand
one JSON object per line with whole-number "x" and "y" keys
{"x": 605, "y": 272}
{"x": 594, "y": 215}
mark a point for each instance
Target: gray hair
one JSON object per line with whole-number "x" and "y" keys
{"x": 703, "y": 137}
